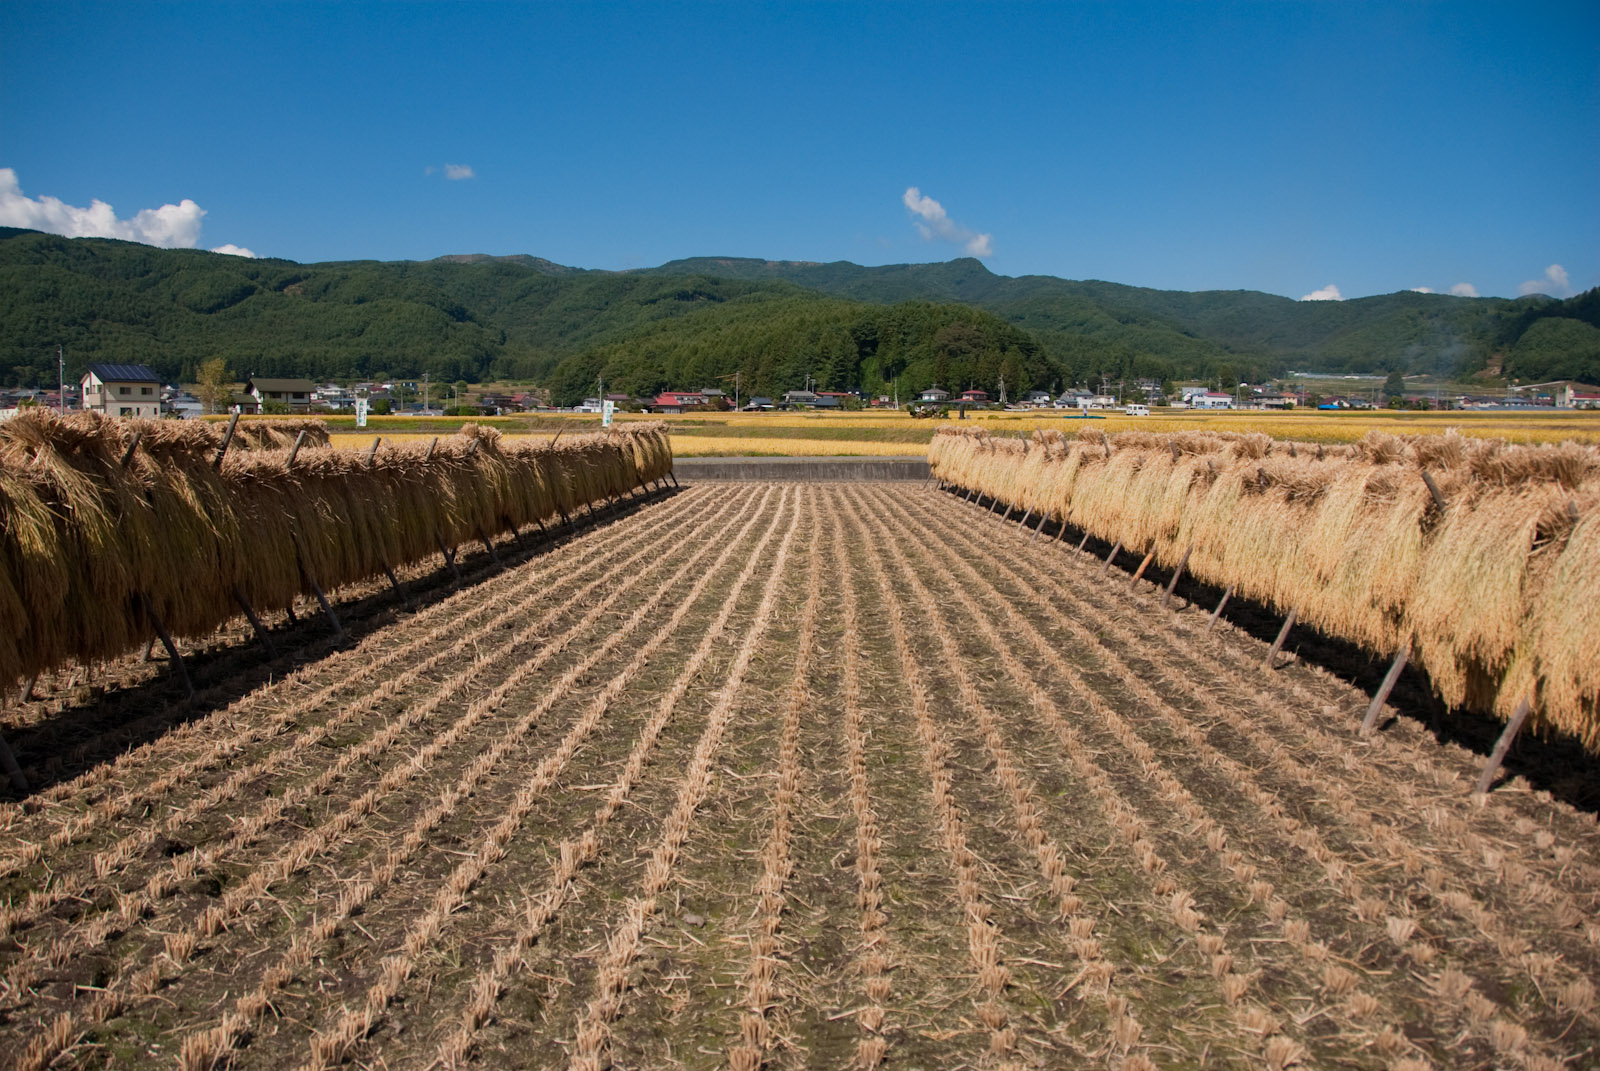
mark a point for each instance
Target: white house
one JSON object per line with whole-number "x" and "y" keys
{"x": 1210, "y": 400}
{"x": 934, "y": 394}
{"x": 122, "y": 390}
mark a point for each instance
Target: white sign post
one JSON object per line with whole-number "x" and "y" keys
{"x": 361, "y": 412}
{"x": 607, "y": 407}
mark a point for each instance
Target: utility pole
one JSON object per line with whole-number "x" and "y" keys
{"x": 424, "y": 393}
{"x": 61, "y": 381}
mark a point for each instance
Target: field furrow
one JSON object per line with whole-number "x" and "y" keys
{"x": 788, "y": 776}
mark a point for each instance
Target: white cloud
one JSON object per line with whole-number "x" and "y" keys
{"x": 1327, "y": 293}
{"x": 933, "y": 222}
{"x": 457, "y": 172}
{"x": 1464, "y": 290}
{"x": 234, "y": 250}
{"x": 1556, "y": 283}
{"x": 170, "y": 226}
{"x": 1423, "y": 290}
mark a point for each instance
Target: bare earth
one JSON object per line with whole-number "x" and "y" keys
{"x": 796, "y": 776}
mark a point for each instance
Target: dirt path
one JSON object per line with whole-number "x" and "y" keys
{"x": 796, "y": 776}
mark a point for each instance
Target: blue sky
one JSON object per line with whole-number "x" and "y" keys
{"x": 1284, "y": 147}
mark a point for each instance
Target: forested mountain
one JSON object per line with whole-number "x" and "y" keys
{"x": 478, "y": 317}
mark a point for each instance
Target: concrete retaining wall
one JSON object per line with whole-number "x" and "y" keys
{"x": 800, "y": 469}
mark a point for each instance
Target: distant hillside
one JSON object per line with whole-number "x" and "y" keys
{"x": 476, "y": 316}
{"x": 1090, "y": 323}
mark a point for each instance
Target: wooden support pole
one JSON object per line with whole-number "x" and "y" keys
{"x": 294, "y": 451}
{"x": 1006, "y": 516}
{"x": 494, "y": 555}
{"x": 516, "y": 536}
{"x": 26, "y": 695}
{"x": 1061, "y": 530}
{"x": 674, "y": 477}
{"x": 1277, "y": 644}
{"x": 149, "y": 645}
{"x": 227, "y": 437}
{"x": 255, "y": 623}
{"x": 1137, "y": 573}
{"x": 19, "y": 781}
{"x": 333, "y": 618}
{"x": 1024, "y": 522}
{"x": 394, "y": 582}
{"x": 1084, "y": 542}
{"x": 449, "y": 559}
{"x": 543, "y": 531}
{"x": 289, "y": 610}
{"x": 1381, "y": 696}
{"x": 1222, "y": 602}
{"x": 127, "y": 455}
{"x": 1106, "y": 568}
{"x": 429, "y": 455}
{"x": 372, "y": 451}
{"x": 1433, "y": 489}
{"x": 1176, "y": 573}
{"x": 968, "y": 496}
{"x": 166, "y": 641}
{"x": 1497, "y": 757}
{"x": 1043, "y": 516}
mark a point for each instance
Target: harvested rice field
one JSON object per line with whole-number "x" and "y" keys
{"x": 759, "y": 775}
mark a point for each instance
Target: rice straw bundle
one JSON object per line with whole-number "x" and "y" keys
{"x": 1497, "y": 588}
{"x": 89, "y": 541}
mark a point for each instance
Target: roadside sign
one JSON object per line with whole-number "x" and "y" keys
{"x": 607, "y": 407}
{"x": 361, "y": 412}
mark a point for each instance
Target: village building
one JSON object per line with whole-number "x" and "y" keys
{"x": 294, "y": 393}
{"x": 122, "y": 390}
{"x": 934, "y": 394}
{"x": 678, "y": 401}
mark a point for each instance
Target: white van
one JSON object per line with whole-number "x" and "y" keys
{"x": 1136, "y": 410}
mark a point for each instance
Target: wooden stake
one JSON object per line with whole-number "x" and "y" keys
{"x": 394, "y": 582}
{"x": 1226, "y": 595}
{"x": 1382, "y": 695}
{"x": 1433, "y": 489}
{"x": 1137, "y": 573}
{"x": 9, "y": 761}
{"x": 127, "y": 456}
{"x": 1043, "y": 516}
{"x": 1503, "y": 745}
{"x": 293, "y": 620}
{"x": 429, "y": 455}
{"x": 338, "y": 629}
{"x": 449, "y": 559}
{"x": 166, "y": 641}
{"x": 372, "y": 451}
{"x": 1024, "y": 522}
{"x": 1106, "y": 568}
{"x": 488, "y": 546}
{"x": 149, "y": 645}
{"x": 1277, "y": 644}
{"x": 294, "y": 450}
{"x": 1006, "y": 516}
{"x": 26, "y": 695}
{"x": 255, "y": 623}
{"x": 1176, "y": 573}
{"x": 227, "y": 438}
{"x": 1084, "y": 542}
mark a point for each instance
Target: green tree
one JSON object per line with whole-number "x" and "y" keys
{"x": 214, "y": 387}
{"x": 1394, "y": 389}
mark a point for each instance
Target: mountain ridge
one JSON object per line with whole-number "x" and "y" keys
{"x": 476, "y": 315}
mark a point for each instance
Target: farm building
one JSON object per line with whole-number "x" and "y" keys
{"x": 122, "y": 390}
{"x": 295, "y": 393}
